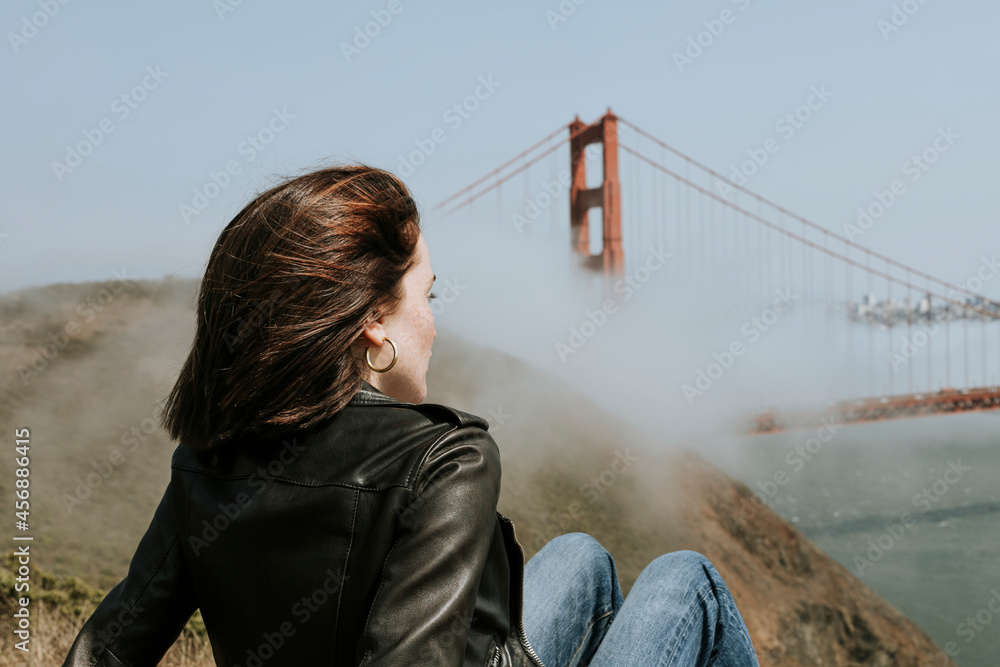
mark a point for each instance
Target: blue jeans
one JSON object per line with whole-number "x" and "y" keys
{"x": 678, "y": 612}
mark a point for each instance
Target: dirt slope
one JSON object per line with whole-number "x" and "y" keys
{"x": 568, "y": 466}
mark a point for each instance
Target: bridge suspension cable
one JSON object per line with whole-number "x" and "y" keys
{"x": 712, "y": 226}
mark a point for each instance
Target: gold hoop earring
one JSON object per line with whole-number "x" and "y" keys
{"x": 391, "y": 363}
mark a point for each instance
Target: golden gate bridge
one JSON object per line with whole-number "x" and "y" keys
{"x": 724, "y": 232}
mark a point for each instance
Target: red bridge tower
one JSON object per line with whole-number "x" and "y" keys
{"x": 606, "y": 196}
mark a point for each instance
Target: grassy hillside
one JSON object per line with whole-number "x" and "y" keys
{"x": 98, "y": 389}
{"x": 60, "y": 606}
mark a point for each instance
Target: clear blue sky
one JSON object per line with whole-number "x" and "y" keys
{"x": 226, "y": 73}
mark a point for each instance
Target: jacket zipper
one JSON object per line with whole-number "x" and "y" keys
{"x": 520, "y": 616}
{"x": 495, "y": 662}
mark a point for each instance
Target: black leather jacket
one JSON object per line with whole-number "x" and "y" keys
{"x": 373, "y": 540}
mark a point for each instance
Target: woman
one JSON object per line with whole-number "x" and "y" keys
{"x": 320, "y": 513}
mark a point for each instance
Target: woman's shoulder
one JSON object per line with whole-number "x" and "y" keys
{"x": 466, "y": 441}
{"x": 466, "y": 454}
{"x": 467, "y": 437}
{"x": 376, "y": 441}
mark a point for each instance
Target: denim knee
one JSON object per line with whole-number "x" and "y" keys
{"x": 685, "y": 559}
{"x": 581, "y": 549}
{"x": 582, "y": 545}
{"x": 584, "y": 561}
{"x": 573, "y": 539}
{"x": 684, "y": 569}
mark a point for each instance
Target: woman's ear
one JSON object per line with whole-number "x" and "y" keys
{"x": 374, "y": 332}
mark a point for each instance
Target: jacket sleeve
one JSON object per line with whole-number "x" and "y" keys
{"x": 423, "y": 607}
{"x": 143, "y": 615}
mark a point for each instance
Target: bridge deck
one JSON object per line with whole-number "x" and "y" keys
{"x": 945, "y": 401}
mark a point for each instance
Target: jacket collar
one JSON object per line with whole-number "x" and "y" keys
{"x": 368, "y": 395}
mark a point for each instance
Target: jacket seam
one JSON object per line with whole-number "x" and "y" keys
{"x": 128, "y": 608}
{"x": 347, "y": 562}
{"x": 152, "y": 574}
{"x": 411, "y": 486}
{"x": 285, "y": 480}
{"x": 381, "y": 582}
{"x": 411, "y": 477}
{"x": 118, "y": 660}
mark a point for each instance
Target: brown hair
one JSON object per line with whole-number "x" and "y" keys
{"x": 290, "y": 284}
